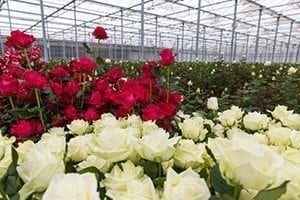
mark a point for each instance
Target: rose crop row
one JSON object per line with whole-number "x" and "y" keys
{"x": 253, "y": 86}
{"x": 234, "y": 154}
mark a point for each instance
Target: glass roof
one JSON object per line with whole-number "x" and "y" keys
{"x": 175, "y": 19}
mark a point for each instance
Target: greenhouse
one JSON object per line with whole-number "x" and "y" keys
{"x": 150, "y": 99}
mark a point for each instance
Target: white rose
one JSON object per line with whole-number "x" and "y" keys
{"x": 107, "y": 119}
{"x": 118, "y": 178}
{"x": 72, "y": 186}
{"x": 5, "y": 153}
{"x": 256, "y": 121}
{"x": 78, "y": 148}
{"x": 148, "y": 127}
{"x": 94, "y": 161}
{"x": 291, "y": 155}
{"x": 212, "y": 103}
{"x": 292, "y": 70}
{"x": 280, "y": 135}
{"x": 186, "y": 185}
{"x": 218, "y": 130}
{"x": 78, "y": 127}
{"x": 244, "y": 161}
{"x": 38, "y": 170}
{"x": 231, "y": 117}
{"x": 268, "y": 63}
{"x": 23, "y": 149}
{"x": 157, "y": 146}
{"x": 188, "y": 154}
{"x": 292, "y": 121}
{"x": 107, "y": 60}
{"x": 290, "y": 172}
{"x": 193, "y": 128}
{"x": 57, "y": 131}
{"x": 132, "y": 121}
{"x": 135, "y": 189}
{"x": 114, "y": 144}
{"x": 53, "y": 144}
{"x": 281, "y": 112}
{"x": 296, "y": 141}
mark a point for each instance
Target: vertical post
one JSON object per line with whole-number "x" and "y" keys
{"x": 182, "y": 39}
{"x": 257, "y": 34}
{"x": 115, "y": 44}
{"x": 1, "y": 42}
{"x": 122, "y": 35}
{"x": 220, "y": 46}
{"x": 247, "y": 44}
{"x": 198, "y": 29}
{"x": 177, "y": 44}
{"x": 275, "y": 39}
{"x": 292, "y": 53}
{"x": 142, "y": 28}
{"x": 44, "y": 31}
{"x": 203, "y": 43}
{"x": 234, "y": 49}
{"x": 75, "y": 27}
{"x": 49, "y": 40}
{"x": 191, "y": 54}
{"x": 280, "y": 52}
{"x": 156, "y": 22}
{"x": 233, "y": 30}
{"x": 9, "y": 17}
{"x": 64, "y": 45}
{"x": 298, "y": 54}
{"x": 84, "y": 30}
{"x": 289, "y": 41}
{"x": 266, "y": 50}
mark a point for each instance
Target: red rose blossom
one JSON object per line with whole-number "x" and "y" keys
{"x": 23, "y": 129}
{"x": 70, "y": 113}
{"x": 167, "y": 57}
{"x": 87, "y": 64}
{"x": 35, "y": 79}
{"x": 72, "y": 88}
{"x": 91, "y": 114}
{"x": 152, "y": 112}
{"x": 59, "y": 72}
{"x": 19, "y": 40}
{"x": 57, "y": 88}
{"x": 8, "y": 85}
{"x": 100, "y": 33}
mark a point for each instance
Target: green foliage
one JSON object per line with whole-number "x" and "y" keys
{"x": 272, "y": 194}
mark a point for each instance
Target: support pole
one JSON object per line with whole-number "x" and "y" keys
{"x": 64, "y": 45}
{"x": 44, "y": 31}
{"x": 115, "y": 44}
{"x": 198, "y": 29}
{"x": 234, "y": 49}
{"x": 191, "y": 54}
{"x": 257, "y": 34}
{"x": 9, "y": 17}
{"x": 275, "y": 39}
{"x": 298, "y": 54}
{"x": 233, "y": 30}
{"x": 266, "y": 50}
{"x": 142, "y": 29}
{"x": 156, "y": 23}
{"x": 182, "y": 39}
{"x": 203, "y": 43}
{"x": 1, "y": 43}
{"x": 75, "y": 27}
{"x": 289, "y": 41}
{"x": 122, "y": 35}
{"x": 220, "y": 46}
{"x": 247, "y": 45}
{"x": 177, "y": 44}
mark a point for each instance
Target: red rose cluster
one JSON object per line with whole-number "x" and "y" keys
{"x": 72, "y": 91}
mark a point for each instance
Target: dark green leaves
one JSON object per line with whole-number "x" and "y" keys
{"x": 272, "y": 194}
{"x": 87, "y": 48}
{"x": 219, "y": 183}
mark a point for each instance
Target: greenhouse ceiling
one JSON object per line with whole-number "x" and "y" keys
{"x": 165, "y": 22}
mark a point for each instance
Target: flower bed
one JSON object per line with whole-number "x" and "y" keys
{"x": 76, "y": 131}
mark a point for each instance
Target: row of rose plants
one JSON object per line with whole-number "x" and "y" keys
{"x": 35, "y": 96}
{"x": 224, "y": 155}
{"x": 253, "y": 86}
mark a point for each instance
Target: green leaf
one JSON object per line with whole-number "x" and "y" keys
{"x": 69, "y": 167}
{"x": 218, "y": 183}
{"x": 99, "y": 175}
{"x": 151, "y": 169}
{"x": 87, "y": 48}
{"x": 159, "y": 181}
{"x": 99, "y": 60}
{"x": 272, "y": 194}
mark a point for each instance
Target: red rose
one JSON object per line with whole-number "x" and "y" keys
{"x": 87, "y": 64}
{"x": 59, "y": 72}
{"x": 96, "y": 99}
{"x": 70, "y": 113}
{"x": 72, "y": 88}
{"x": 8, "y": 85}
{"x": 167, "y": 57}
{"x": 167, "y": 109}
{"x": 16, "y": 71}
{"x": 37, "y": 128}
{"x": 19, "y": 40}
{"x": 114, "y": 74}
{"x": 152, "y": 112}
{"x": 35, "y": 79}
{"x": 100, "y": 33}
{"x": 91, "y": 114}
{"x": 23, "y": 129}
{"x": 25, "y": 95}
{"x": 57, "y": 88}
{"x": 123, "y": 111}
